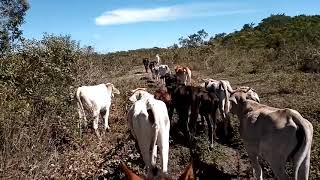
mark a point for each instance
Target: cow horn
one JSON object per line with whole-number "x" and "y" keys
{"x": 231, "y": 91}
{"x": 143, "y": 89}
{"x": 248, "y": 90}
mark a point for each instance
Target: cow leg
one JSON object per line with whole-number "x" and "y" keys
{"x": 154, "y": 156}
{"x": 81, "y": 111}
{"x": 170, "y": 112}
{"x": 227, "y": 124}
{"x": 276, "y": 157}
{"x": 224, "y": 118}
{"x": 192, "y": 123}
{"x": 211, "y": 129}
{"x": 278, "y": 167}
{"x": 257, "y": 171}
{"x": 144, "y": 146}
{"x": 164, "y": 150}
{"x": 106, "y": 120}
{"x": 82, "y": 118}
{"x": 202, "y": 120}
{"x": 183, "y": 122}
{"x": 96, "y": 122}
{"x": 303, "y": 171}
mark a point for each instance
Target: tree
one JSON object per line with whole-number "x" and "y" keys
{"x": 88, "y": 50}
{"x": 194, "y": 40}
{"x": 174, "y": 46}
{"x": 12, "y": 14}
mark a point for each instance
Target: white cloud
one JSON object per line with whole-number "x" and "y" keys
{"x": 125, "y": 16}
{"x": 134, "y": 15}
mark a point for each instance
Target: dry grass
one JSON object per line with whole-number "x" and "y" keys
{"x": 83, "y": 157}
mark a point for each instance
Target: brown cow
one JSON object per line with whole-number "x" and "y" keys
{"x": 198, "y": 101}
{"x": 183, "y": 74}
{"x": 146, "y": 62}
{"x": 163, "y": 95}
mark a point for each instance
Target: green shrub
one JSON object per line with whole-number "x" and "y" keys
{"x": 37, "y": 114}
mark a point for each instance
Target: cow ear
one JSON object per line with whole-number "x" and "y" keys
{"x": 233, "y": 99}
{"x": 128, "y": 173}
{"x": 188, "y": 173}
{"x": 133, "y": 98}
{"x": 115, "y": 90}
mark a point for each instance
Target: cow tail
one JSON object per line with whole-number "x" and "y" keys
{"x": 155, "y": 127}
{"x": 302, "y": 154}
{"x": 226, "y": 103}
{"x": 79, "y": 103}
{"x": 81, "y": 112}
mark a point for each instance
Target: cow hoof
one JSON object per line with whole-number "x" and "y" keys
{"x": 211, "y": 147}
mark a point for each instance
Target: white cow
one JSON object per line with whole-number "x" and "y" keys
{"x": 222, "y": 89}
{"x": 158, "y": 72}
{"x": 158, "y": 59}
{"x": 149, "y": 123}
{"x": 155, "y": 72}
{"x": 163, "y": 70}
{"x": 275, "y": 134}
{"x": 97, "y": 99}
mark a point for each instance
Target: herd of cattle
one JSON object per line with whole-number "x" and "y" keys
{"x": 275, "y": 134}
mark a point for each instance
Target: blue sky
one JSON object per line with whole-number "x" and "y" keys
{"x": 114, "y": 25}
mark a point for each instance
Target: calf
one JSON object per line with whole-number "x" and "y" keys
{"x": 198, "y": 101}
{"x": 149, "y": 123}
{"x": 183, "y": 73}
{"x": 274, "y": 134}
{"x": 97, "y": 99}
{"x": 146, "y": 64}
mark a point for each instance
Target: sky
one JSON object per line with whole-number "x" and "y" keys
{"x": 117, "y": 25}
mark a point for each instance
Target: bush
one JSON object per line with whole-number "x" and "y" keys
{"x": 37, "y": 115}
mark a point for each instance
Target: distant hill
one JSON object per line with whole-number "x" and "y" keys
{"x": 276, "y": 31}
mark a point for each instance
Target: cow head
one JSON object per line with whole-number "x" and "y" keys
{"x": 178, "y": 68}
{"x": 240, "y": 95}
{"x": 138, "y": 94}
{"x": 112, "y": 89}
{"x": 170, "y": 79}
{"x": 155, "y": 174}
{"x": 250, "y": 93}
{"x": 163, "y": 95}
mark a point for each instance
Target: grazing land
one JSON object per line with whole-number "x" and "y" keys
{"x": 40, "y": 136}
